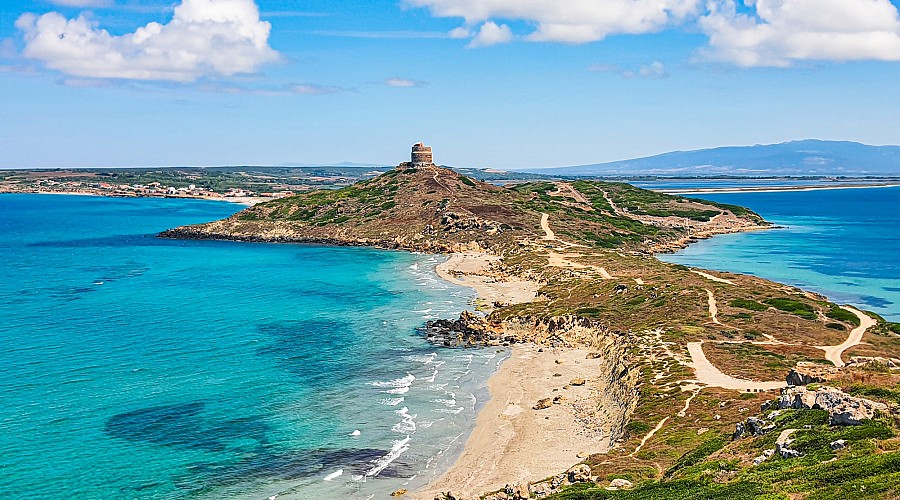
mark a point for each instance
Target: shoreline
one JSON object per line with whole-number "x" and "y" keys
{"x": 769, "y": 189}
{"x": 511, "y": 441}
{"x": 247, "y": 201}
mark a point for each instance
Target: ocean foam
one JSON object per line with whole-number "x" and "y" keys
{"x": 399, "y": 382}
{"x": 398, "y": 390}
{"x": 391, "y": 401}
{"x": 396, "y": 450}
{"x": 407, "y": 425}
{"x": 334, "y": 475}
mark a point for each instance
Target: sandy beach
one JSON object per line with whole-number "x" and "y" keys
{"x": 512, "y": 442}
{"x": 473, "y": 270}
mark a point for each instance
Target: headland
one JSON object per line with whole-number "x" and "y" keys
{"x": 653, "y": 376}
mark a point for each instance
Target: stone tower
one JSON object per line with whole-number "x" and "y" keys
{"x": 421, "y": 156}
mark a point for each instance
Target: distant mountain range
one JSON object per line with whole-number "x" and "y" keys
{"x": 809, "y": 157}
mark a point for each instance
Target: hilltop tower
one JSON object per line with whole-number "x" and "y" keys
{"x": 421, "y": 156}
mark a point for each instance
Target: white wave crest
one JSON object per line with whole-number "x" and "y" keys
{"x": 396, "y": 450}
{"x": 400, "y": 382}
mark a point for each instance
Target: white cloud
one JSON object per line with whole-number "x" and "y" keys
{"x": 570, "y": 21}
{"x": 82, "y": 3}
{"x": 491, "y": 34}
{"x": 404, "y": 83}
{"x": 314, "y": 89}
{"x": 786, "y": 31}
{"x": 655, "y": 70}
{"x": 204, "y": 38}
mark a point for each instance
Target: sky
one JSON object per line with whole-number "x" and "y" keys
{"x": 487, "y": 83}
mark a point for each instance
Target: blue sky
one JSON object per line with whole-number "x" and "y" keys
{"x": 488, "y": 83}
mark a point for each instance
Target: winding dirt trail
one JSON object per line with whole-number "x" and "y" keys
{"x": 713, "y": 278}
{"x": 713, "y": 307}
{"x": 834, "y": 353}
{"x": 708, "y": 374}
{"x": 545, "y": 225}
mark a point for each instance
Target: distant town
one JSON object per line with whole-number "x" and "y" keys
{"x": 237, "y": 184}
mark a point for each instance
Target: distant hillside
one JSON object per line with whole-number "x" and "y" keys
{"x": 437, "y": 209}
{"x": 810, "y": 157}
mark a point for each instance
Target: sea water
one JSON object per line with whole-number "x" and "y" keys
{"x": 137, "y": 367}
{"x": 842, "y": 243}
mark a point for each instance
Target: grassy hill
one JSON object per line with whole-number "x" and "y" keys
{"x": 589, "y": 246}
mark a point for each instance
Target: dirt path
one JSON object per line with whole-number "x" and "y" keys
{"x": 713, "y": 278}
{"x": 713, "y": 307}
{"x": 545, "y": 225}
{"x": 708, "y": 374}
{"x": 833, "y": 353}
{"x": 682, "y": 413}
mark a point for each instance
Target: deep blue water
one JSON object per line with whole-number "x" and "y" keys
{"x": 842, "y": 243}
{"x": 134, "y": 367}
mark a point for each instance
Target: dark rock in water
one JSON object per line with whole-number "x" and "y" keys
{"x": 285, "y": 465}
{"x": 183, "y": 426}
{"x": 469, "y": 330}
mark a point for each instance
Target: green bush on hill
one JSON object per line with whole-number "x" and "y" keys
{"x": 748, "y": 304}
{"x": 795, "y": 307}
{"x": 842, "y": 315}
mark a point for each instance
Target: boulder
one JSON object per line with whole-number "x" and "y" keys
{"x": 838, "y": 445}
{"x": 806, "y": 373}
{"x": 620, "y": 484}
{"x": 517, "y": 491}
{"x": 449, "y": 495}
{"x": 543, "y": 404}
{"x": 765, "y": 456}
{"x": 580, "y": 473}
{"x": 397, "y": 493}
{"x": 577, "y": 381}
{"x": 751, "y": 427}
{"x": 843, "y": 409}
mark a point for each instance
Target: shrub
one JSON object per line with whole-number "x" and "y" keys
{"x": 842, "y": 315}
{"x": 748, "y": 304}
{"x": 795, "y": 307}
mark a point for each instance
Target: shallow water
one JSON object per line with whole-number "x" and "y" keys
{"x": 136, "y": 367}
{"x": 841, "y": 243}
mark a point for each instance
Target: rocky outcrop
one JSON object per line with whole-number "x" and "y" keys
{"x": 842, "y": 408}
{"x": 619, "y": 484}
{"x": 453, "y": 222}
{"x": 468, "y": 330}
{"x": 753, "y": 426}
{"x": 806, "y": 373}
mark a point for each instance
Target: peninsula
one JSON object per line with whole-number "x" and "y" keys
{"x": 629, "y": 377}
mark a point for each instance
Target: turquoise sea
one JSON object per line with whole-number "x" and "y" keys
{"x": 842, "y": 243}
{"x": 134, "y": 367}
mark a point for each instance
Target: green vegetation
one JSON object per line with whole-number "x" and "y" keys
{"x": 697, "y": 455}
{"x": 887, "y": 394}
{"x": 795, "y": 307}
{"x": 719, "y": 469}
{"x": 748, "y": 304}
{"x": 842, "y": 315}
